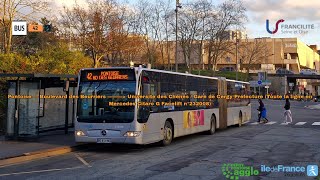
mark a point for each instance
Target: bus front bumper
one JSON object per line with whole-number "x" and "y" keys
{"x": 110, "y": 140}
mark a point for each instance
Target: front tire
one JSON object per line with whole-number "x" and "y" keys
{"x": 167, "y": 134}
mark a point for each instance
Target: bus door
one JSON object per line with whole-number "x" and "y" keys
{"x": 223, "y": 104}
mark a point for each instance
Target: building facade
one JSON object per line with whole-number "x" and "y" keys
{"x": 259, "y": 54}
{"x": 253, "y": 55}
{"x": 271, "y": 54}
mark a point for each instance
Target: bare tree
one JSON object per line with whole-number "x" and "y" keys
{"x": 253, "y": 52}
{"x": 144, "y": 17}
{"x": 152, "y": 20}
{"x": 157, "y": 29}
{"x": 91, "y": 26}
{"x": 229, "y": 14}
{"x": 167, "y": 13}
{"x": 125, "y": 43}
{"x": 76, "y": 23}
{"x": 189, "y": 28}
{"x": 201, "y": 26}
{"x": 204, "y": 9}
{"x": 11, "y": 10}
{"x": 107, "y": 31}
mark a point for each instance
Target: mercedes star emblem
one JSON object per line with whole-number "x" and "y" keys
{"x": 104, "y": 132}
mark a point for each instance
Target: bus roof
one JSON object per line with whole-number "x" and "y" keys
{"x": 102, "y": 68}
{"x": 157, "y": 70}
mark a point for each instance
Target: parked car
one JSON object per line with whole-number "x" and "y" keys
{"x": 308, "y": 72}
{"x": 227, "y": 69}
{"x": 284, "y": 71}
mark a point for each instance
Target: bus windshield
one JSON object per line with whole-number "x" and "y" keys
{"x": 96, "y": 101}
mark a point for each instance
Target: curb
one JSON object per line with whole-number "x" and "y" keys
{"x": 39, "y": 154}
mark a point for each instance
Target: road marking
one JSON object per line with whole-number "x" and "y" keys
{"x": 316, "y": 124}
{"x": 82, "y": 160}
{"x": 284, "y": 124}
{"x": 30, "y": 172}
{"x": 271, "y": 122}
{"x": 255, "y": 123}
{"x": 300, "y": 123}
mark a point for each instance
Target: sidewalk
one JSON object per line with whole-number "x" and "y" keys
{"x": 11, "y": 148}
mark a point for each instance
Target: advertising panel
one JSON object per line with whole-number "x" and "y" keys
{"x": 193, "y": 118}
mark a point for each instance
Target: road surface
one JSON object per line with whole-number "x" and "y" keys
{"x": 196, "y": 156}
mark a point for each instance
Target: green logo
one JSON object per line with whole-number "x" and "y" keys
{"x": 236, "y": 170}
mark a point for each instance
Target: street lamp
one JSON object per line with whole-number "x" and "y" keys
{"x": 178, "y": 5}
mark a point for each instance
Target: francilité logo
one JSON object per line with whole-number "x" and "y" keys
{"x": 235, "y": 170}
{"x": 277, "y": 26}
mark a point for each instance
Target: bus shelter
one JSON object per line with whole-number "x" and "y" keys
{"x": 38, "y": 103}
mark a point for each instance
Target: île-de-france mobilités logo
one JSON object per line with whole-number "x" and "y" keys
{"x": 277, "y": 25}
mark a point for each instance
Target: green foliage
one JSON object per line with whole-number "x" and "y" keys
{"x": 52, "y": 60}
{"x": 12, "y": 63}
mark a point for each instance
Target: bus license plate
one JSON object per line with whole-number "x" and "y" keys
{"x": 103, "y": 141}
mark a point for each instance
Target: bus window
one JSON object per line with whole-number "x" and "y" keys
{"x": 212, "y": 91}
{"x": 106, "y": 101}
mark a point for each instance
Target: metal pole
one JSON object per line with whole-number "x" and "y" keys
{"x": 259, "y": 91}
{"x": 67, "y": 114}
{"x": 285, "y": 85}
{"x": 38, "y": 123}
{"x": 73, "y": 106}
{"x": 237, "y": 57}
{"x": 17, "y": 102}
{"x": 176, "y": 59}
{"x": 67, "y": 109}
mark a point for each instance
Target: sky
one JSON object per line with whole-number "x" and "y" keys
{"x": 293, "y": 12}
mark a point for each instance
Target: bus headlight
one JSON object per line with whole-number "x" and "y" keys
{"x": 132, "y": 133}
{"x": 80, "y": 133}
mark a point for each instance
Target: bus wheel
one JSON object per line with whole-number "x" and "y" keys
{"x": 240, "y": 119}
{"x": 212, "y": 126}
{"x": 167, "y": 134}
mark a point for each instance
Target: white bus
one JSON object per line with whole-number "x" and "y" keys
{"x": 142, "y": 106}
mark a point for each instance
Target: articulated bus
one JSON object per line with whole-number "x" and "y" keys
{"x": 137, "y": 105}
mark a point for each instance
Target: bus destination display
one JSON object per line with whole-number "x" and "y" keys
{"x": 106, "y": 75}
